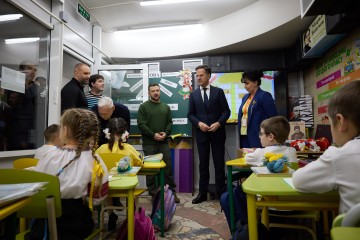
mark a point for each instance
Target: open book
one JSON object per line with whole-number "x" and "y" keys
{"x": 12, "y": 192}
{"x": 153, "y": 158}
{"x": 264, "y": 171}
{"x": 130, "y": 172}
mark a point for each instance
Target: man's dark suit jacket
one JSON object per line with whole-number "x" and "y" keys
{"x": 218, "y": 111}
{"x": 73, "y": 96}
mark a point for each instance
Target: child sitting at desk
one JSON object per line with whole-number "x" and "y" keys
{"x": 73, "y": 164}
{"x": 117, "y": 134}
{"x": 52, "y": 138}
{"x": 273, "y": 133}
{"x": 338, "y": 167}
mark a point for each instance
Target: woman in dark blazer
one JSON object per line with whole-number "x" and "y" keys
{"x": 256, "y": 106}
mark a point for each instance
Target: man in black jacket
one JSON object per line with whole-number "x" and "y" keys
{"x": 72, "y": 94}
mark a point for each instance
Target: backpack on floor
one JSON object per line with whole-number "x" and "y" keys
{"x": 169, "y": 207}
{"x": 143, "y": 228}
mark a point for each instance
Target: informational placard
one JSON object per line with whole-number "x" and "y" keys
{"x": 192, "y": 64}
{"x": 12, "y": 80}
{"x": 313, "y": 35}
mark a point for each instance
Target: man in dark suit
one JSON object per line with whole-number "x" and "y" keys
{"x": 208, "y": 112}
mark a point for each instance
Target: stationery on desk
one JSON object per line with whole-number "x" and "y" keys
{"x": 265, "y": 172}
{"x": 130, "y": 172}
{"x": 154, "y": 158}
{"x": 12, "y": 192}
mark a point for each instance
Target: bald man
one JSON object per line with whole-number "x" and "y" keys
{"x": 72, "y": 94}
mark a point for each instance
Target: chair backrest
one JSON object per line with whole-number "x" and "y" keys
{"x": 22, "y": 163}
{"x": 338, "y": 220}
{"x": 38, "y": 207}
{"x": 110, "y": 159}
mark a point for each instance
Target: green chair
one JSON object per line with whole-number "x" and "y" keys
{"x": 23, "y": 163}
{"x": 349, "y": 219}
{"x": 45, "y": 204}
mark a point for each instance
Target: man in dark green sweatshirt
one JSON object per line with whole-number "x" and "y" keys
{"x": 155, "y": 122}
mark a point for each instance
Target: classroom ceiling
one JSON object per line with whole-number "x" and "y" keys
{"x": 114, "y": 15}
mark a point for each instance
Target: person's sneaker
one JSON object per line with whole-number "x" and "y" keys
{"x": 177, "y": 200}
{"x": 112, "y": 221}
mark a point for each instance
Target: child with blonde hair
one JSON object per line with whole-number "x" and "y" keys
{"x": 74, "y": 164}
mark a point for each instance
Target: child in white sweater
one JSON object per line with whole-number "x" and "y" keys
{"x": 338, "y": 167}
{"x": 273, "y": 133}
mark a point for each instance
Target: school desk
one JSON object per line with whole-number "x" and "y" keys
{"x": 8, "y": 212}
{"x": 158, "y": 166}
{"x": 348, "y": 233}
{"x": 123, "y": 186}
{"x": 240, "y": 167}
{"x": 277, "y": 193}
{"x": 13, "y": 207}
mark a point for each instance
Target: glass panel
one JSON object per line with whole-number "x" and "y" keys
{"x": 126, "y": 88}
{"x": 24, "y": 81}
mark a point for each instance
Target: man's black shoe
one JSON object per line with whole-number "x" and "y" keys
{"x": 201, "y": 197}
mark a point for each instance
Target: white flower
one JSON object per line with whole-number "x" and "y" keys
{"x": 107, "y": 134}
{"x": 125, "y": 136}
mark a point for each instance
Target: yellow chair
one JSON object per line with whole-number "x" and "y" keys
{"x": 23, "y": 163}
{"x": 45, "y": 204}
{"x": 110, "y": 159}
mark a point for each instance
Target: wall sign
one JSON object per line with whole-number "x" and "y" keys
{"x": 82, "y": 11}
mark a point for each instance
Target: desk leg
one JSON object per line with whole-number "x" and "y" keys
{"x": 130, "y": 213}
{"x": 252, "y": 221}
{"x": 231, "y": 200}
{"x": 162, "y": 183}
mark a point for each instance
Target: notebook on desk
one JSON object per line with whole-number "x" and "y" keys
{"x": 264, "y": 172}
{"x": 12, "y": 192}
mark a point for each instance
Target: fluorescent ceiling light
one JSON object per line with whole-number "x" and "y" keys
{"x": 160, "y": 2}
{"x": 21, "y": 40}
{"x": 9, "y": 17}
{"x": 154, "y": 29}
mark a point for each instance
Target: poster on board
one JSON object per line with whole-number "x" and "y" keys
{"x": 300, "y": 109}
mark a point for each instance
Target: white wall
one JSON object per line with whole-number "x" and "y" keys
{"x": 244, "y": 24}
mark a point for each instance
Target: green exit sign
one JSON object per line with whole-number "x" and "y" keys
{"x": 83, "y": 12}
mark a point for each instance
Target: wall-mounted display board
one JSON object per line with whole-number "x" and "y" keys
{"x": 175, "y": 91}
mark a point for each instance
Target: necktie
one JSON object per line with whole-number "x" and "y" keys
{"x": 206, "y": 99}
